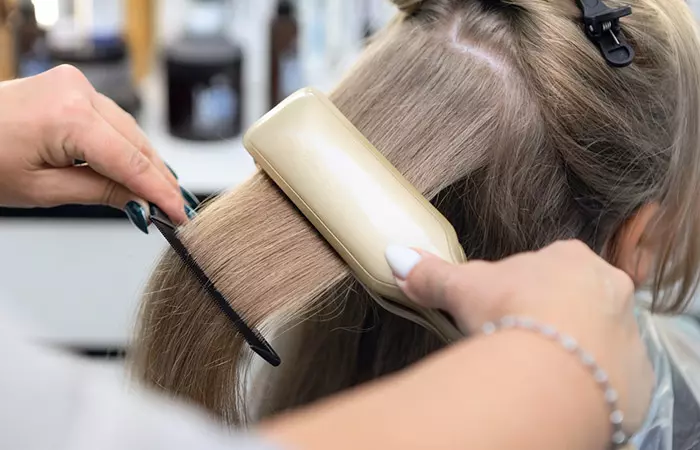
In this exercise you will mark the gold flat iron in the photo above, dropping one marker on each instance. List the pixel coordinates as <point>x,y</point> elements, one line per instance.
<point>353,196</point>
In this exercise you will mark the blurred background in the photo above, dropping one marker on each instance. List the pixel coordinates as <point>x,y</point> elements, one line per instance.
<point>195,74</point>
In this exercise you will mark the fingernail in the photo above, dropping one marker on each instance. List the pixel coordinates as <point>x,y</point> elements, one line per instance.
<point>171,171</point>
<point>402,260</point>
<point>189,197</point>
<point>191,213</point>
<point>137,215</point>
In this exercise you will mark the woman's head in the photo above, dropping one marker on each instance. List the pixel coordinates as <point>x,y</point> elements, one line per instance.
<point>507,117</point>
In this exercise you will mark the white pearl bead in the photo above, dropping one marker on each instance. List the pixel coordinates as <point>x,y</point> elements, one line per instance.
<point>569,343</point>
<point>526,323</point>
<point>617,417</point>
<point>488,328</point>
<point>600,376</point>
<point>508,322</point>
<point>611,395</point>
<point>619,438</point>
<point>548,331</point>
<point>587,359</point>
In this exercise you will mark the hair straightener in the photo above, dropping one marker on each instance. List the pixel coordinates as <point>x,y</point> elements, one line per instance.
<point>353,196</point>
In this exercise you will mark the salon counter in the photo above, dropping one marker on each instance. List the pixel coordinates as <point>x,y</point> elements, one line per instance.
<point>75,282</point>
<point>75,278</point>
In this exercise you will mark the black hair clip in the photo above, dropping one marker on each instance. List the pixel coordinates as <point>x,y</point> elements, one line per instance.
<point>252,336</point>
<point>603,27</point>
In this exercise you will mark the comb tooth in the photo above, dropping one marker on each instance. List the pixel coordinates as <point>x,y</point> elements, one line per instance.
<point>252,336</point>
<point>266,352</point>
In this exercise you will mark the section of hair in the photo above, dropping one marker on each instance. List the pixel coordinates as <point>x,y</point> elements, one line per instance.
<point>503,114</point>
<point>262,256</point>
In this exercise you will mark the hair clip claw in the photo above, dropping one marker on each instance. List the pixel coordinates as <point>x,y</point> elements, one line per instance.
<point>603,27</point>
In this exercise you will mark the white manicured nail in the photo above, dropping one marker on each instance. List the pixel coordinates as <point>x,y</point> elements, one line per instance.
<point>402,260</point>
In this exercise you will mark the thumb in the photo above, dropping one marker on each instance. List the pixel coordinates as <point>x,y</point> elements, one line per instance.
<point>423,277</point>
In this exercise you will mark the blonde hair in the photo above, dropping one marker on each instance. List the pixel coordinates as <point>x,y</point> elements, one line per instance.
<point>507,117</point>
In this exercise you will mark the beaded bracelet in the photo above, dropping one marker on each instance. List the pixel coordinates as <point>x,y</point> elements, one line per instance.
<point>619,437</point>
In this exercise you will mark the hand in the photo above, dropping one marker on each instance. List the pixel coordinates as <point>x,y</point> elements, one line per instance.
<point>565,285</point>
<point>49,121</point>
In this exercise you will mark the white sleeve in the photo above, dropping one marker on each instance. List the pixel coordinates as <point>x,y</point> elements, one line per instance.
<point>52,401</point>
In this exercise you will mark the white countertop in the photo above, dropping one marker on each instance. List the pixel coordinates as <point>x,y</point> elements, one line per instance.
<point>75,282</point>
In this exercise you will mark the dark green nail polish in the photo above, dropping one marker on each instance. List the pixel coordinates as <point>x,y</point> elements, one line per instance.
<point>137,216</point>
<point>191,213</point>
<point>171,171</point>
<point>189,197</point>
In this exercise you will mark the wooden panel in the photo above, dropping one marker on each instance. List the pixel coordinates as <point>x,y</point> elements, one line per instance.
<point>7,62</point>
<point>140,35</point>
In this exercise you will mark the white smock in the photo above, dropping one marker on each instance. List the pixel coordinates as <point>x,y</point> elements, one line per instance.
<point>49,400</point>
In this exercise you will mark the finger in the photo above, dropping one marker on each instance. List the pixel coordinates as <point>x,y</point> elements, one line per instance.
<point>424,278</point>
<point>84,186</point>
<point>80,186</point>
<point>125,124</point>
<point>112,155</point>
<point>189,196</point>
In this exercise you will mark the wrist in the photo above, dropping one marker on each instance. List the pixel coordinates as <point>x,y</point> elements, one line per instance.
<point>509,390</point>
<point>546,388</point>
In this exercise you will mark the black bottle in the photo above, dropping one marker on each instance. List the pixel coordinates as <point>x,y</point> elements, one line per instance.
<point>204,71</point>
<point>285,68</point>
<point>105,62</point>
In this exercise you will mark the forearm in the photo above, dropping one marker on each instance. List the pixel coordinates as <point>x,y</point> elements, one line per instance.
<point>510,390</point>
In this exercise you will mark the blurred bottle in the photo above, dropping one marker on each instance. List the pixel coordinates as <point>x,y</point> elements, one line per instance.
<point>285,66</point>
<point>92,39</point>
<point>346,26</point>
<point>314,42</point>
<point>368,27</point>
<point>331,39</point>
<point>204,70</point>
<point>31,52</point>
<point>7,51</point>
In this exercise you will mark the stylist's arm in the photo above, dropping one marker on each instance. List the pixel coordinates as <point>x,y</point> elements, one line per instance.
<point>49,121</point>
<point>512,389</point>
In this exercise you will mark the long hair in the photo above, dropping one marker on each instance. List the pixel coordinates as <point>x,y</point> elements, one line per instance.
<point>506,116</point>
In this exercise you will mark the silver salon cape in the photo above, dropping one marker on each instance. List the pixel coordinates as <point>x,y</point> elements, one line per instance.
<point>674,418</point>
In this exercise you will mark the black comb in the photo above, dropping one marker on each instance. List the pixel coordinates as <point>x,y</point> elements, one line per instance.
<point>252,336</point>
